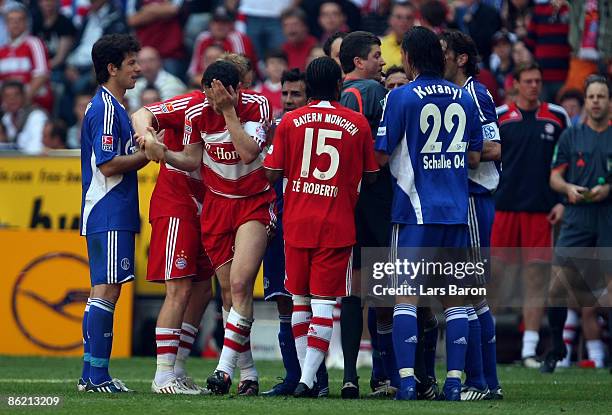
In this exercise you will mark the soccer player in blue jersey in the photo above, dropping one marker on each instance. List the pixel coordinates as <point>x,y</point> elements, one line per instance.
<point>430,133</point>
<point>461,68</point>
<point>109,209</point>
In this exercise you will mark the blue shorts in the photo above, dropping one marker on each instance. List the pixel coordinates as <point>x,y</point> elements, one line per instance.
<point>481,213</point>
<point>426,244</point>
<point>111,257</point>
<point>274,259</point>
<point>430,236</point>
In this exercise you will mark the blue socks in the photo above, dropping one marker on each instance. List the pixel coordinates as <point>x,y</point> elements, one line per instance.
<point>405,338</point>
<point>378,368</point>
<point>86,354</point>
<point>489,352</point>
<point>288,352</point>
<point>100,330</point>
<point>474,375</point>
<point>457,332</point>
<point>384,333</point>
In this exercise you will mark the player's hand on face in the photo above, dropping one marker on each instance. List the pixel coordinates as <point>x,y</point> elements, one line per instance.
<point>600,192</point>
<point>224,99</point>
<point>575,193</point>
<point>556,214</point>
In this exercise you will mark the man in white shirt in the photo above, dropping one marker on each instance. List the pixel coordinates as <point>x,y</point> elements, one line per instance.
<point>23,123</point>
<point>152,73</point>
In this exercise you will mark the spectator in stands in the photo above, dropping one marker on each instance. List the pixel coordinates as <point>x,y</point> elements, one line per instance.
<point>81,100</point>
<point>157,24</point>
<point>525,206</point>
<point>516,15</point>
<point>4,6</point>
<point>25,59</point>
<point>104,17</point>
<point>433,15</point>
<point>375,17</point>
<point>152,74</point>
<point>57,32</point>
<point>263,23</point>
<point>331,47</point>
<point>54,135</point>
<point>299,42</point>
<point>480,21</point>
<point>22,121</point>
<point>211,54</point>
<point>520,56</point>
<point>500,61</point>
<point>148,96</point>
<point>275,64</point>
<point>547,41</point>
<point>590,37</point>
<point>331,19</point>
<point>572,102</point>
<point>220,32</point>
<point>395,77</point>
<point>401,20</point>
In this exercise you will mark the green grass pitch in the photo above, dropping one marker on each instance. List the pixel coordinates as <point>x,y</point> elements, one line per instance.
<point>570,391</point>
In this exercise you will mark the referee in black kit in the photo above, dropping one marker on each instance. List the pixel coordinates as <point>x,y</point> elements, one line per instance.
<point>582,172</point>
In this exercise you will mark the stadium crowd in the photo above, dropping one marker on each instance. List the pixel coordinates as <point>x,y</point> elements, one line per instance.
<point>535,57</point>
<point>45,45</point>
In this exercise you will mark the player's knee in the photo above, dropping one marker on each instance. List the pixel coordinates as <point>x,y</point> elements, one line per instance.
<point>240,286</point>
<point>108,292</point>
<point>179,292</point>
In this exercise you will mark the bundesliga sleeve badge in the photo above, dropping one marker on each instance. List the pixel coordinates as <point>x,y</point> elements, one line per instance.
<point>107,143</point>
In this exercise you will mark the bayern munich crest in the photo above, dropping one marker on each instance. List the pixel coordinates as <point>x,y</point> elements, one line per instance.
<point>180,263</point>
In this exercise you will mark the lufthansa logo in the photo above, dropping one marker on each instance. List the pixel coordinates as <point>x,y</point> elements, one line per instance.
<point>50,314</point>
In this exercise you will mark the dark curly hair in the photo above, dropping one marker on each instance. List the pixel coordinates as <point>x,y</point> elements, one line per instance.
<point>111,49</point>
<point>461,43</point>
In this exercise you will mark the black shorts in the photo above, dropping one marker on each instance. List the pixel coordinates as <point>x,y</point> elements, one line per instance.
<point>585,235</point>
<point>373,216</point>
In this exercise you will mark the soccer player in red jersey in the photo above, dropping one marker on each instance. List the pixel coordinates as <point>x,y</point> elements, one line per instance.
<point>323,150</point>
<point>176,256</point>
<point>238,210</point>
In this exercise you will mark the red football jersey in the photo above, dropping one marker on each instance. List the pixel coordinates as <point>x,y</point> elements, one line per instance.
<point>223,171</point>
<point>177,193</point>
<point>323,150</point>
<point>23,59</point>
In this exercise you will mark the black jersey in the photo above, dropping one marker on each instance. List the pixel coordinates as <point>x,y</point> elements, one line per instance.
<point>586,156</point>
<point>528,140</point>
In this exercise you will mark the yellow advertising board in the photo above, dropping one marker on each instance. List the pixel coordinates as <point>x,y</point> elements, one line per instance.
<point>45,193</point>
<point>43,292</point>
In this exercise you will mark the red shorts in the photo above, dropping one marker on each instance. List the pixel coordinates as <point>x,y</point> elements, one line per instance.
<point>324,272</point>
<point>176,251</point>
<point>529,231</point>
<point>222,216</point>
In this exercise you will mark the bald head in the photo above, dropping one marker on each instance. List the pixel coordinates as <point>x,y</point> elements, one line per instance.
<point>150,63</point>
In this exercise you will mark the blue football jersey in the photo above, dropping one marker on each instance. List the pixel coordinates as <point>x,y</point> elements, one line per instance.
<point>485,178</point>
<point>427,128</point>
<point>108,203</point>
